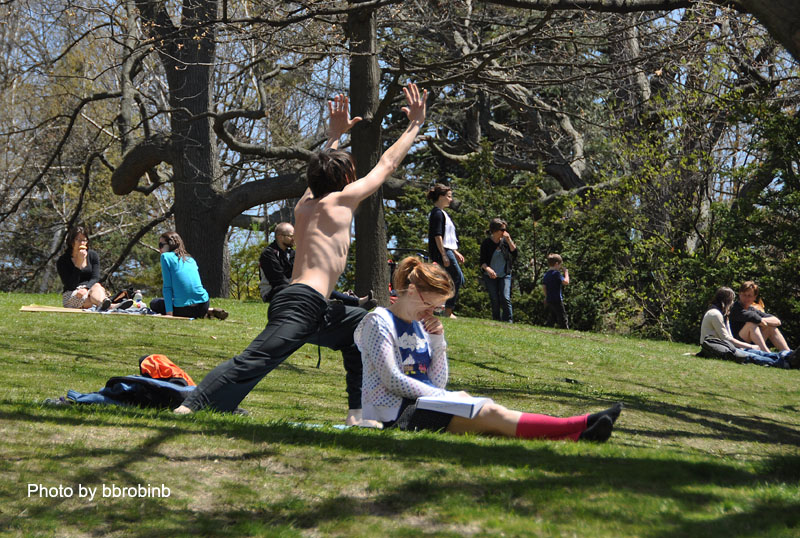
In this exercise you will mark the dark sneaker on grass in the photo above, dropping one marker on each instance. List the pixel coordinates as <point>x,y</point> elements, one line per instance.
<point>793,359</point>
<point>124,305</point>
<point>612,412</point>
<point>105,305</point>
<point>219,313</point>
<point>600,431</point>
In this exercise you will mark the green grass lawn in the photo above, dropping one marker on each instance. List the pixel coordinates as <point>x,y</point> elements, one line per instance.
<point>703,448</point>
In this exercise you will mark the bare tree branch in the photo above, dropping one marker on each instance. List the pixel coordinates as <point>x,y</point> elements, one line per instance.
<point>138,161</point>
<point>277,152</point>
<point>132,243</point>
<point>252,193</point>
<point>57,151</point>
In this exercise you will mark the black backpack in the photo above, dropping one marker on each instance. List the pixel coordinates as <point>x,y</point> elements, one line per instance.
<point>716,348</point>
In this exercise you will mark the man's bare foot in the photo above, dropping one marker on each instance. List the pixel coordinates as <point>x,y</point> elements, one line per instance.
<point>366,423</point>
<point>353,417</point>
<point>182,410</point>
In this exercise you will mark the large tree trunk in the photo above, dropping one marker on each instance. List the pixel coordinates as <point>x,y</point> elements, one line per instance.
<point>195,176</point>
<point>188,56</point>
<point>372,270</point>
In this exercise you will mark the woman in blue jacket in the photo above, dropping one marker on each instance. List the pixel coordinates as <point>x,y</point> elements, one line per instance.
<point>184,294</point>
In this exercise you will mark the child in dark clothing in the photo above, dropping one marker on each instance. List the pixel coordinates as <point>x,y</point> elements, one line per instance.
<point>552,283</point>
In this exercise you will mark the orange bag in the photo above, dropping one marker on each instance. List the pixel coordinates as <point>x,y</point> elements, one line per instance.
<point>160,367</point>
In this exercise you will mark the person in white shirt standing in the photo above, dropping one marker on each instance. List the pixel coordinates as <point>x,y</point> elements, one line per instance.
<point>443,241</point>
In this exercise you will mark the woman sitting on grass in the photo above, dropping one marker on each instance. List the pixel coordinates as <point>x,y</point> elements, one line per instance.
<point>79,269</point>
<point>403,352</point>
<point>184,294</point>
<point>716,326</point>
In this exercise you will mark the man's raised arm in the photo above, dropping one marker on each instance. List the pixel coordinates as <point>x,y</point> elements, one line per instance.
<point>392,157</point>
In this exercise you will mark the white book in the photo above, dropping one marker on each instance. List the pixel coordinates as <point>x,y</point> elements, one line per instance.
<point>462,406</point>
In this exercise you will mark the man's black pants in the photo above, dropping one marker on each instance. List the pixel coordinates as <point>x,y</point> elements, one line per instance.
<point>298,314</point>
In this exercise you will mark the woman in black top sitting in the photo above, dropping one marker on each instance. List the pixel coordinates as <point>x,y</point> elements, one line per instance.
<point>79,269</point>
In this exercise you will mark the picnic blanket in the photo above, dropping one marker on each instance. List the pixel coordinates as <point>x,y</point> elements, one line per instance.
<point>93,310</point>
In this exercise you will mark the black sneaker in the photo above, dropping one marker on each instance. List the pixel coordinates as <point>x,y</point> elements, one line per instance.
<point>124,305</point>
<point>105,305</point>
<point>793,359</point>
<point>219,313</point>
<point>600,430</point>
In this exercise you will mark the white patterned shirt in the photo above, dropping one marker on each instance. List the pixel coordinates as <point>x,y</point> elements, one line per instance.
<point>384,385</point>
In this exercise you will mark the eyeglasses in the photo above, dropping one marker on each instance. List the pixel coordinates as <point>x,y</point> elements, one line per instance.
<point>426,303</point>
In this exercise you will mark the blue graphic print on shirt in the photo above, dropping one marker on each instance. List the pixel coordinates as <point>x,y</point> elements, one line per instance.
<point>414,349</point>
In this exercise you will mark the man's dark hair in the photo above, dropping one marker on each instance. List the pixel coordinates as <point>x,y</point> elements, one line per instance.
<point>330,171</point>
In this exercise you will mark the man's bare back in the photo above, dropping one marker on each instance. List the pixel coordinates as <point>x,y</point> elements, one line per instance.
<point>322,225</point>
<point>322,233</point>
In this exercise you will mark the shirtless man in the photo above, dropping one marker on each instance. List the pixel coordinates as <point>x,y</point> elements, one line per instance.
<point>300,313</point>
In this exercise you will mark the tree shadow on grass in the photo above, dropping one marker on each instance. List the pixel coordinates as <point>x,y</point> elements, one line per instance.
<point>719,425</point>
<point>486,366</point>
<point>540,473</point>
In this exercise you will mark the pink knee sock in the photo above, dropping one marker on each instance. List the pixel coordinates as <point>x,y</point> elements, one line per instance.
<point>533,426</point>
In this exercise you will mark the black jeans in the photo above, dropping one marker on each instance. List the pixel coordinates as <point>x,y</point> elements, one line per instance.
<point>557,315</point>
<point>298,315</point>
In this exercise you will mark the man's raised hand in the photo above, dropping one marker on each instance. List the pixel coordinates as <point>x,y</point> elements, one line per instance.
<point>339,121</point>
<point>416,103</point>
